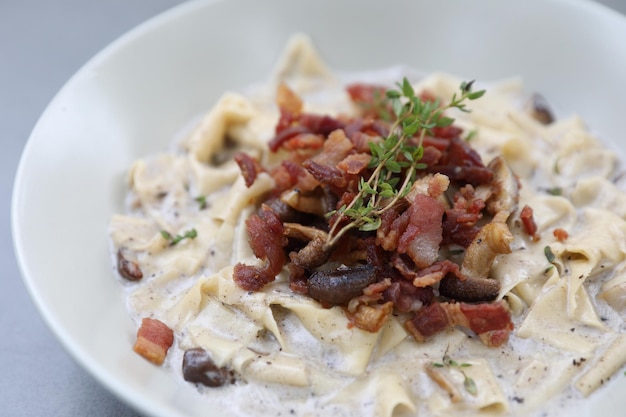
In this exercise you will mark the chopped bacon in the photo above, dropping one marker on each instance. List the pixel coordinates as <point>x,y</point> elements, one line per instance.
<point>424,233</point>
<point>265,232</point>
<point>427,276</point>
<point>528,221</point>
<point>560,234</point>
<point>393,223</point>
<point>249,167</point>
<point>370,318</point>
<point>459,224</point>
<point>462,163</point>
<point>492,319</point>
<point>436,272</point>
<point>309,141</point>
<point>154,339</point>
<point>355,163</point>
<point>289,175</point>
<point>300,124</point>
<point>448,132</point>
<point>406,297</point>
<point>287,99</point>
<point>324,166</point>
<point>297,279</point>
<point>369,98</point>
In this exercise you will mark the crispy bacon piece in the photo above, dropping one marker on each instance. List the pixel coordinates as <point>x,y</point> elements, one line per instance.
<point>291,125</point>
<point>462,163</point>
<point>436,272</point>
<point>423,235</point>
<point>459,223</point>
<point>249,167</point>
<point>154,339</point>
<point>370,318</point>
<point>560,234</point>
<point>324,166</point>
<point>370,99</point>
<point>265,233</point>
<point>287,99</point>
<point>528,221</point>
<point>406,297</point>
<point>492,320</point>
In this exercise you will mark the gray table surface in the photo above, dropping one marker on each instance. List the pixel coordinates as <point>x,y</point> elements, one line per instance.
<point>42,43</point>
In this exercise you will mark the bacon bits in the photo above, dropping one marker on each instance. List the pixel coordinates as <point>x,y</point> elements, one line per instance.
<point>265,232</point>
<point>154,339</point>
<point>560,234</point>
<point>491,322</point>
<point>528,221</point>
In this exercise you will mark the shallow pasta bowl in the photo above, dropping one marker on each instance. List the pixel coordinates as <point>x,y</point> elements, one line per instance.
<point>132,98</point>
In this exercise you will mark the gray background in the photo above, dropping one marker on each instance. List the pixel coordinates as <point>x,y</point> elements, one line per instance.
<point>42,43</point>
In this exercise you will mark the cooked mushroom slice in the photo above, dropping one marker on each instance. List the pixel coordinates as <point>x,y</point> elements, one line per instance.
<point>505,190</point>
<point>339,286</point>
<point>316,252</point>
<point>301,232</point>
<point>198,367</point>
<point>471,290</point>
<point>493,239</point>
<point>312,203</point>
<point>128,269</point>
<point>286,213</point>
<point>540,109</point>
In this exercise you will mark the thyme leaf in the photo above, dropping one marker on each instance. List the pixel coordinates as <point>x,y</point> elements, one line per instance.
<point>549,254</point>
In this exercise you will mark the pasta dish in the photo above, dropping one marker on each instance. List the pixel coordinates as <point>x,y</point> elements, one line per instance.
<point>378,244</point>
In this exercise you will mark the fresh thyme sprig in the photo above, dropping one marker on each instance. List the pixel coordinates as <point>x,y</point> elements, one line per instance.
<point>396,159</point>
<point>468,383</point>
<point>189,234</point>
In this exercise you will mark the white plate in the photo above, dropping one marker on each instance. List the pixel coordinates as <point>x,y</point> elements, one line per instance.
<point>131,98</point>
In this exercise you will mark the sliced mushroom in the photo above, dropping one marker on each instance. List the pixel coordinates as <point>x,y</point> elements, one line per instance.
<point>198,367</point>
<point>339,286</point>
<point>505,189</point>
<point>540,109</point>
<point>315,253</point>
<point>471,290</point>
<point>492,239</point>
<point>127,268</point>
<point>306,203</point>
<point>301,232</point>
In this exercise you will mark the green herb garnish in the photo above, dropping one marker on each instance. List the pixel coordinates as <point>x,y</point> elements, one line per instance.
<point>468,383</point>
<point>201,201</point>
<point>396,159</point>
<point>190,234</point>
<point>549,254</point>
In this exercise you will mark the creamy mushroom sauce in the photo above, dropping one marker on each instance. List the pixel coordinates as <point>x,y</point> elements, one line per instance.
<point>293,357</point>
